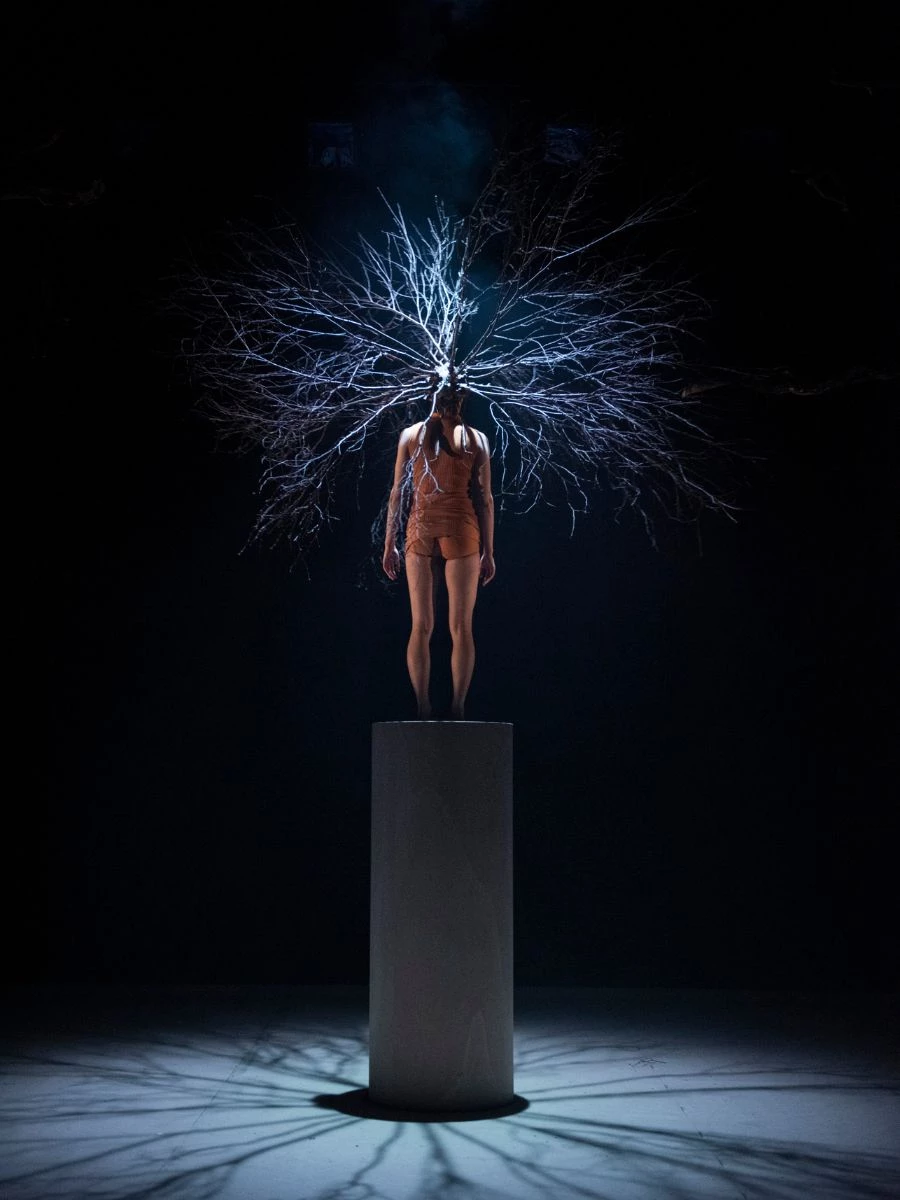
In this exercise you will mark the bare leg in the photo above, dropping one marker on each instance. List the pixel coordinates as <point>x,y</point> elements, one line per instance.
<point>462,588</point>
<point>418,652</point>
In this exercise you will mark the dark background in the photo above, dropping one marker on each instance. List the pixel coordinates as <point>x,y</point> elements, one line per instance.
<point>705,734</point>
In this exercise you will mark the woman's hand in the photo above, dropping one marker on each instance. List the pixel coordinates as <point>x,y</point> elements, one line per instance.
<point>391,562</point>
<point>488,570</point>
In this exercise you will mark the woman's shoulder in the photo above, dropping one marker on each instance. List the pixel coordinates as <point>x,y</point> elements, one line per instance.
<point>479,438</point>
<point>411,432</point>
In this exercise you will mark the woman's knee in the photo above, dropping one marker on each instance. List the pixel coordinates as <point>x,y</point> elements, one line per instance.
<point>422,629</point>
<point>461,629</point>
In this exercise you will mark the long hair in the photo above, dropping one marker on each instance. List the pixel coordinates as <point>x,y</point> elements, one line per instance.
<point>447,403</point>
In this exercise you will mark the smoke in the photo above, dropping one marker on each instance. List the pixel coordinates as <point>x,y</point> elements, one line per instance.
<point>423,133</point>
<point>424,140</point>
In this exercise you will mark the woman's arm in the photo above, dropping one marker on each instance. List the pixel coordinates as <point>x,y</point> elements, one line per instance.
<point>390,561</point>
<point>484,507</point>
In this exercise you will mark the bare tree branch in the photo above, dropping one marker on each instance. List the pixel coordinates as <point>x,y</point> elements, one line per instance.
<point>570,350</point>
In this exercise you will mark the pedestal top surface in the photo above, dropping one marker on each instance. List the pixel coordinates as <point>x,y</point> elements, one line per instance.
<point>506,724</point>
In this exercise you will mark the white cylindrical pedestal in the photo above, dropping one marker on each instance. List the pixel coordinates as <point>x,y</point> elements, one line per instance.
<point>441,966</point>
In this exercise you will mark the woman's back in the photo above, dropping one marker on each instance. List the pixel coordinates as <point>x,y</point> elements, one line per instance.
<point>443,469</point>
<point>440,463</point>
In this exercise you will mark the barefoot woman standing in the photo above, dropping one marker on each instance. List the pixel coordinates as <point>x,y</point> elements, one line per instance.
<point>451,518</point>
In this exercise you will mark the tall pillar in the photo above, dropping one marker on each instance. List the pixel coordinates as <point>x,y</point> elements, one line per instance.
<point>441,946</point>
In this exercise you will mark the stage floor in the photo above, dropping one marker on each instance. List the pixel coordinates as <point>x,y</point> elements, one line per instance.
<point>236,1093</point>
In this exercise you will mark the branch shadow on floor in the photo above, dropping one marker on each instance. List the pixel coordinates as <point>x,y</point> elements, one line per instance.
<point>200,1116</point>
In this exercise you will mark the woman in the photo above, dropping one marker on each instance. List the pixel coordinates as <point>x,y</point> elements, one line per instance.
<point>451,519</point>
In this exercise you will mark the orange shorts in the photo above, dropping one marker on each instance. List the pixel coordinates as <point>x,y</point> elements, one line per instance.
<point>457,546</point>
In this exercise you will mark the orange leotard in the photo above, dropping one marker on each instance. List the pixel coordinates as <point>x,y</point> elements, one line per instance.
<point>442,518</point>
